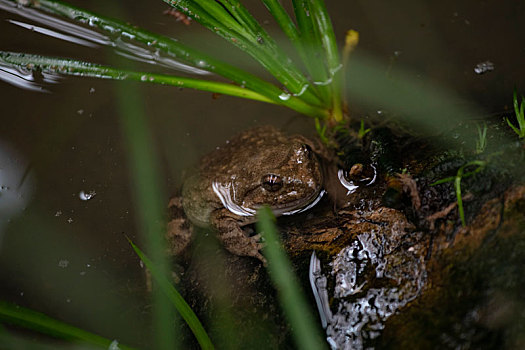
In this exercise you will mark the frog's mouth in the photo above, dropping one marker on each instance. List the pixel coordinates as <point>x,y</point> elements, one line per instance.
<point>298,206</point>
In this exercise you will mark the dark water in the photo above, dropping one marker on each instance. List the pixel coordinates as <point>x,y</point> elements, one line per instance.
<point>69,140</point>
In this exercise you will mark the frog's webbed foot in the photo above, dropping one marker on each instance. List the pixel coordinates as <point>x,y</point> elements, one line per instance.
<point>237,242</point>
<point>179,230</point>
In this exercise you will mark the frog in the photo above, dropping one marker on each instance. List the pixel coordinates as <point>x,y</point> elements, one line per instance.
<point>260,166</point>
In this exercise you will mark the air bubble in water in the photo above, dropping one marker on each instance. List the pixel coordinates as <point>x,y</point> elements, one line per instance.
<point>85,196</point>
<point>484,67</point>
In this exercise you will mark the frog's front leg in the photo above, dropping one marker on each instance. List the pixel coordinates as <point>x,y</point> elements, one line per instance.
<point>179,231</point>
<point>234,238</point>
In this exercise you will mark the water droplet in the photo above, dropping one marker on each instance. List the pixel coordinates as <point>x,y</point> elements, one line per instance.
<point>80,112</point>
<point>113,345</point>
<point>63,263</point>
<point>92,90</point>
<point>303,89</point>
<point>284,96</point>
<point>85,196</point>
<point>323,83</point>
<point>484,67</point>
<point>128,35</point>
<point>70,220</point>
<point>58,213</point>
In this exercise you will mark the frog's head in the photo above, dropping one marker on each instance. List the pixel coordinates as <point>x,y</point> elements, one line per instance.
<point>285,176</point>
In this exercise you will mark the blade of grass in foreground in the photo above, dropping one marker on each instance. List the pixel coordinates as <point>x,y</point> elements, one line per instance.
<point>148,199</point>
<point>37,321</point>
<point>177,300</point>
<point>297,310</point>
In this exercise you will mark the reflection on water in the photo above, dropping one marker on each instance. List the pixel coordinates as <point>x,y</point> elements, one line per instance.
<point>53,33</point>
<point>418,38</point>
<point>87,195</point>
<point>75,33</point>
<point>16,185</point>
<point>350,183</point>
<point>20,77</point>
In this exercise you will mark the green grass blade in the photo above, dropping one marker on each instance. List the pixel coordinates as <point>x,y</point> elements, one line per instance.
<point>17,315</point>
<point>442,181</point>
<point>519,111</point>
<point>461,174</point>
<point>297,310</point>
<point>250,23</point>
<point>515,103</point>
<point>282,18</point>
<point>187,55</point>
<point>312,49</point>
<point>521,117</point>
<point>86,69</point>
<point>146,183</point>
<point>457,187</point>
<point>177,300</point>
<point>516,130</point>
<point>329,43</point>
<point>306,52</point>
<point>268,55</point>
<point>169,46</point>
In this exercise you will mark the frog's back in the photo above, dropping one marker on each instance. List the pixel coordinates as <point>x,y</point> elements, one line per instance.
<point>239,153</point>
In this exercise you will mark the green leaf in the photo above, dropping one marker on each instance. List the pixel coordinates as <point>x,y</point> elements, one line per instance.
<point>270,56</point>
<point>176,299</point>
<point>87,69</point>
<point>172,48</point>
<point>519,111</point>
<point>145,175</point>
<point>516,130</point>
<point>442,181</point>
<point>40,322</point>
<point>327,37</point>
<point>312,49</point>
<point>459,198</point>
<point>305,332</point>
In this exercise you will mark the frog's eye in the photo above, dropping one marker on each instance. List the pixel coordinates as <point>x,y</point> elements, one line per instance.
<point>272,182</point>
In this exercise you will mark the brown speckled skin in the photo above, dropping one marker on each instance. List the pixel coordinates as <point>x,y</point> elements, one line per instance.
<point>241,164</point>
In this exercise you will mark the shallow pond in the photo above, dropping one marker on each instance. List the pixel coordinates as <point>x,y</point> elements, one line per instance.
<point>67,230</point>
